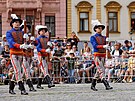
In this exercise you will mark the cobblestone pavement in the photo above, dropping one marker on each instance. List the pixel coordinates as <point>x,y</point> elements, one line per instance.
<point>73,92</point>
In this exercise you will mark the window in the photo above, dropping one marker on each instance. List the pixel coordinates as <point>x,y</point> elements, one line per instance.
<point>50,23</point>
<point>84,21</point>
<point>113,21</point>
<point>29,19</point>
<point>132,21</point>
<point>0,26</point>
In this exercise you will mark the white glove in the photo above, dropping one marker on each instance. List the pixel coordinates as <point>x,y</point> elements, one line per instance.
<point>49,43</point>
<point>32,38</point>
<point>106,46</point>
<point>31,46</point>
<point>23,46</point>
<point>107,39</point>
<point>48,50</point>
<point>25,36</point>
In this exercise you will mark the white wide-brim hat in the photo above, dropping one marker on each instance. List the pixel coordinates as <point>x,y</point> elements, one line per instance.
<point>38,27</point>
<point>97,24</point>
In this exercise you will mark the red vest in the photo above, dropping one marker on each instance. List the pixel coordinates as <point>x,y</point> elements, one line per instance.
<point>101,41</point>
<point>18,37</point>
<point>44,45</point>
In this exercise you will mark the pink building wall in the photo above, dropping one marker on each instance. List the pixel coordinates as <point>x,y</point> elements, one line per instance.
<point>40,7</point>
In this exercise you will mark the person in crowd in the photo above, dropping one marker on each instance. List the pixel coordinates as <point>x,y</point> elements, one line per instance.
<point>124,66</point>
<point>125,47</point>
<point>130,47</point>
<point>88,63</point>
<point>68,49</point>
<point>85,45</point>
<point>71,66</point>
<point>1,48</point>
<point>64,43</point>
<point>117,52</point>
<point>4,41</point>
<point>74,39</point>
<point>5,53</point>
<point>131,67</point>
<point>56,62</point>
<point>74,49</point>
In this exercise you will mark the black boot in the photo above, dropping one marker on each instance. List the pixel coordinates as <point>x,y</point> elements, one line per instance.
<point>11,87</point>
<point>30,85</point>
<point>48,79</point>
<point>39,83</point>
<point>21,86</point>
<point>105,82</point>
<point>93,85</point>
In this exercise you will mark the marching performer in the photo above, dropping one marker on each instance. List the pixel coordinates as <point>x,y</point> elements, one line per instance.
<point>43,48</point>
<point>27,56</point>
<point>15,40</point>
<point>98,42</point>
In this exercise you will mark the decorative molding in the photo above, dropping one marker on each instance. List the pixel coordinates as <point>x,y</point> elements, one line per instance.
<point>131,6</point>
<point>112,5</point>
<point>83,6</point>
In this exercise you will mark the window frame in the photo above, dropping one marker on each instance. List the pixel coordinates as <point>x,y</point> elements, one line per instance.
<point>112,31</point>
<point>131,21</point>
<point>54,35</point>
<point>80,22</point>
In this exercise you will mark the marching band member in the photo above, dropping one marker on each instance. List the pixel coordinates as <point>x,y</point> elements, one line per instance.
<point>27,56</point>
<point>98,42</point>
<point>16,45</point>
<point>43,48</point>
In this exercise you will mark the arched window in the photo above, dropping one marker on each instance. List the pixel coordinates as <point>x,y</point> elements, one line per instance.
<point>131,7</point>
<point>84,16</point>
<point>113,16</point>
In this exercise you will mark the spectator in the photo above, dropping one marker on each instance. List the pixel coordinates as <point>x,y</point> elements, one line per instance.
<point>125,47</point>
<point>131,67</point>
<point>117,52</point>
<point>68,49</point>
<point>56,62</point>
<point>124,65</point>
<point>71,66</point>
<point>74,39</point>
<point>4,41</point>
<point>88,63</point>
<point>74,49</point>
<point>5,52</point>
<point>64,43</point>
<point>1,48</point>
<point>130,45</point>
<point>55,44</point>
<point>85,45</point>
